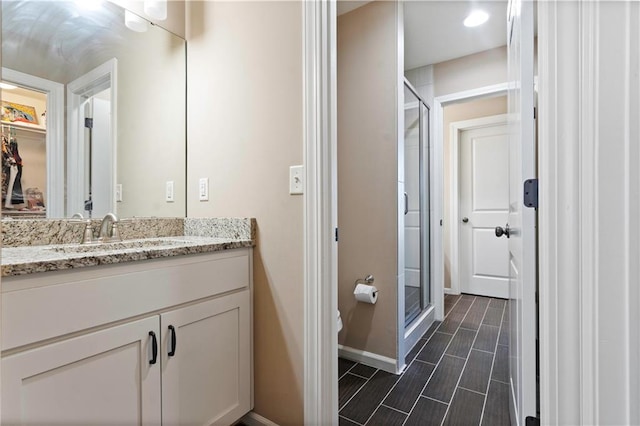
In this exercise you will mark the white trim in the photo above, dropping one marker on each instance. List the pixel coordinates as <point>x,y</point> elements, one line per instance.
<point>97,79</point>
<point>320,214</point>
<point>449,291</point>
<point>254,419</point>
<point>417,328</point>
<point>454,201</point>
<point>437,198</point>
<point>369,358</point>
<point>54,135</point>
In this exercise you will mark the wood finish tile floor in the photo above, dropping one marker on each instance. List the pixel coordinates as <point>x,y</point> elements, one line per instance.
<point>457,374</point>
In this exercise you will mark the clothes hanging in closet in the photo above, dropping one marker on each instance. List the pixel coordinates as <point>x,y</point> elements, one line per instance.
<point>11,173</point>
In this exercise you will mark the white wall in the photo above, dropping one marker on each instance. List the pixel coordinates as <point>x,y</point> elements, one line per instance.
<point>245,130</point>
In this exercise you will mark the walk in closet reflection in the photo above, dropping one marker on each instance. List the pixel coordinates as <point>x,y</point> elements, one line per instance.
<point>24,160</point>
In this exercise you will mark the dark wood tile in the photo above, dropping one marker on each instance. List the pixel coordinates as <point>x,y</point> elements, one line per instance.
<point>431,330</point>
<point>452,322</point>
<point>365,402</point>
<point>497,303</point>
<point>434,348</point>
<point>504,334</point>
<point>493,317</point>
<point>444,379</point>
<point>481,302</point>
<point>474,318</point>
<point>414,351</point>
<point>463,304</point>
<point>486,340</point>
<point>465,409</point>
<point>348,385</point>
<point>363,370</point>
<point>496,410</point>
<point>408,388</point>
<point>501,364</point>
<point>461,343</point>
<point>386,416</point>
<point>344,365</point>
<point>476,373</point>
<point>450,302</point>
<point>345,422</point>
<point>427,412</point>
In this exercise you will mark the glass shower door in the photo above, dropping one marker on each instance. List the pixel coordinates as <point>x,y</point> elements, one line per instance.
<point>416,208</point>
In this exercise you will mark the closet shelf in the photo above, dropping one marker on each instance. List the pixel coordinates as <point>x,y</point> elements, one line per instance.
<point>23,126</point>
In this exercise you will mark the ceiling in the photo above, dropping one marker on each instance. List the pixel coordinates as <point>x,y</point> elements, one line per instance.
<point>433,30</point>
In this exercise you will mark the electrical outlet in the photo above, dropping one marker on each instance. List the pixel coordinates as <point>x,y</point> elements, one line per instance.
<point>203,189</point>
<point>169,192</point>
<point>119,192</point>
<point>296,180</point>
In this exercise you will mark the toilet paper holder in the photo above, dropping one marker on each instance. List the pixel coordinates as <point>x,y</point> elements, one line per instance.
<point>367,280</point>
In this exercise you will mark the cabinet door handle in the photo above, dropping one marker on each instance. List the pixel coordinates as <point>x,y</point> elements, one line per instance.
<point>154,348</point>
<point>174,341</point>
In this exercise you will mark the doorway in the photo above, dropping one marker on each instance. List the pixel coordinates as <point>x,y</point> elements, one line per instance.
<point>479,182</point>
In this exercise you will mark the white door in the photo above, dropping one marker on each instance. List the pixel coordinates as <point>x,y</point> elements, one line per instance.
<point>206,362</point>
<point>522,220</point>
<point>99,378</point>
<point>102,169</point>
<point>483,148</point>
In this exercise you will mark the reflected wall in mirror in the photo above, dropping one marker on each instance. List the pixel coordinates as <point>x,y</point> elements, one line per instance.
<point>97,119</point>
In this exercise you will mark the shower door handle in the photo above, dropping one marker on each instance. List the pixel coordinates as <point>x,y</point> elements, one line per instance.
<point>406,203</point>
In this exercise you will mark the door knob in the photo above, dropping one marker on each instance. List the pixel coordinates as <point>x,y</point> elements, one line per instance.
<point>465,219</point>
<point>502,231</point>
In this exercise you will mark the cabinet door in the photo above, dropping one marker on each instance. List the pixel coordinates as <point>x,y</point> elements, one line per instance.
<point>103,377</point>
<point>208,378</point>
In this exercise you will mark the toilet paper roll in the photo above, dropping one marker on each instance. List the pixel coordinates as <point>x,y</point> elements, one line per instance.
<point>366,293</point>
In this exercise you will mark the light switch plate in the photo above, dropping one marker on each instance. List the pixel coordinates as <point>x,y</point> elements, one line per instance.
<point>119,192</point>
<point>169,192</point>
<point>203,189</point>
<point>296,180</point>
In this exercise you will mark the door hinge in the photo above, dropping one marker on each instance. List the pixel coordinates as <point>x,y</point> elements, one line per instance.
<point>531,193</point>
<point>88,123</point>
<point>532,421</point>
<point>336,234</point>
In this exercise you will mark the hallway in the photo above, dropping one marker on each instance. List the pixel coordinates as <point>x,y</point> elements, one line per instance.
<point>457,374</point>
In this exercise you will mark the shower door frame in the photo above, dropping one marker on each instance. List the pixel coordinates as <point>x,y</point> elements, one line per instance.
<point>418,325</point>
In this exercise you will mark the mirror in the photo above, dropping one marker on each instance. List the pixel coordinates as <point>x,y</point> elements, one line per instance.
<point>94,112</point>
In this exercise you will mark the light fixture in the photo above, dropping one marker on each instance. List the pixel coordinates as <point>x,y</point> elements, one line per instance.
<point>7,86</point>
<point>157,9</point>
<point>475,18</point>
<point>134,22</point>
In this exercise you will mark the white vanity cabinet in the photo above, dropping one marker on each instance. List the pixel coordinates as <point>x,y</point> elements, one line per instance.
<point>189,314</point>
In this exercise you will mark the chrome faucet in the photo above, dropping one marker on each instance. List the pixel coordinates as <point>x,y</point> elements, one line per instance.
<point>109,234</point>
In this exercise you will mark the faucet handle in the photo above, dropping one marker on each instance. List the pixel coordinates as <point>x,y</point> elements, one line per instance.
<point>115,232</point>
<point>87,235</point>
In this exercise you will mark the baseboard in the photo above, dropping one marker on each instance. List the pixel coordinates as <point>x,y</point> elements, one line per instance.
<point>450,291</point>
<point>254,419</point>
<point>368,358</point>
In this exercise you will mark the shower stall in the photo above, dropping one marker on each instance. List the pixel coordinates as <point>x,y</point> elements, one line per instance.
<point>417,290</point>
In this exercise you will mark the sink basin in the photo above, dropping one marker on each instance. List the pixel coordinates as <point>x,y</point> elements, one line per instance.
<point>121,245</point>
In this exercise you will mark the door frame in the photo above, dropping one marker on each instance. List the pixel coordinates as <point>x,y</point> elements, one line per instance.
<point>54,136</point>
<point>454,181</point>
<point>94,81</point>
<point>439,103</point>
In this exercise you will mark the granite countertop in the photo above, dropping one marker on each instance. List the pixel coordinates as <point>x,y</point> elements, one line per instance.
<point>31,246</point>
<point>31,259</point>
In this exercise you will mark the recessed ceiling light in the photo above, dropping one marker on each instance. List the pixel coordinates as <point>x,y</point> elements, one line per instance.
<point>7,86</point>
<point>475,18</point>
